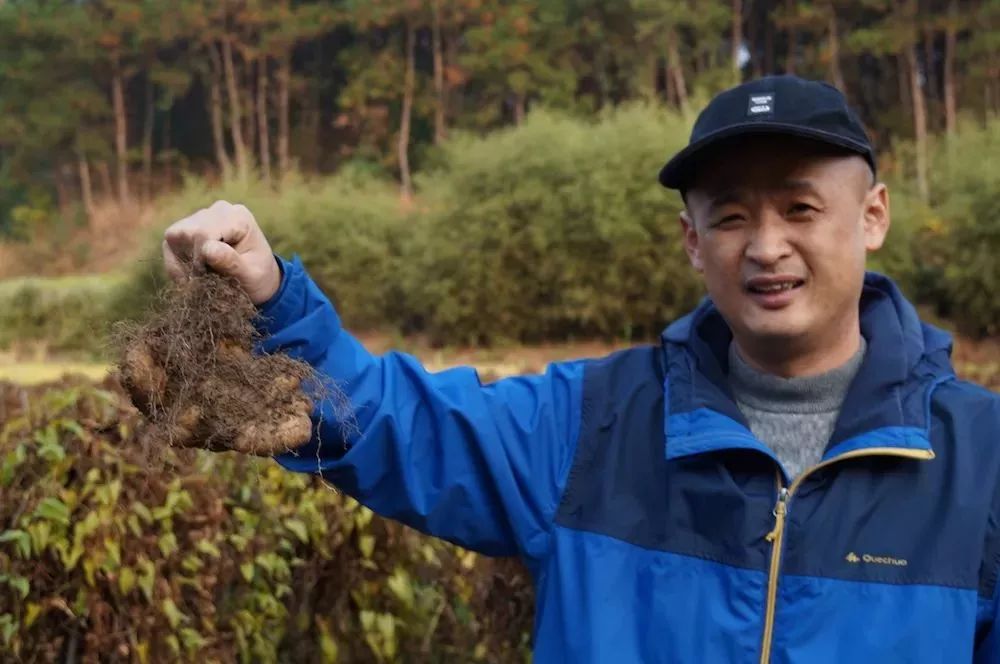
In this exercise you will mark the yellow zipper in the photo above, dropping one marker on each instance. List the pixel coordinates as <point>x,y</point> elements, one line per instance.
<point>776,536</point>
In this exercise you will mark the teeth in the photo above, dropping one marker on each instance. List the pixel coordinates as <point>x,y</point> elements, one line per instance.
<point>775,288</point>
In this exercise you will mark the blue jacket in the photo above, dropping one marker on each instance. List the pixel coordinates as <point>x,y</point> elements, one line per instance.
<point>655,526</point>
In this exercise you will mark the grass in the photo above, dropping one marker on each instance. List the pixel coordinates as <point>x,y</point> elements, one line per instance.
<point>975,361</point>
<point>34,366</point>
<point>33,373</point>
<point>58,284</point>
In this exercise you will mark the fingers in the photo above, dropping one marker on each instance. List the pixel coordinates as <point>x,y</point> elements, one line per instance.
<point>176,270</point>
<point>204,238</point>
<point>238,224</point>
<point>220,256</point>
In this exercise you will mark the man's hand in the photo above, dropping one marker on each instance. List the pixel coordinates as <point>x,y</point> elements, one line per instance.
<point>227,239</point>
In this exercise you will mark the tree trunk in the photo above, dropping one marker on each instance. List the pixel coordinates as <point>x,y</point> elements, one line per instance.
<point>250,104</point>
<point>649,81</point>
<point>168,163</point>
<point>62,193</point>
<point>950,42</point>
<point>104,172</point>
<point>836,75</point>
<point>147,141</point>
<point>235,109</point>
<point>752,37</point>
<point>903,78</point>
<point>600,77</point>
<point>675,71</point>
<point>930,70</point>
<point>669,91</point>
<point>793,37</point>
<point>769,47</point>
<point>284,82</point>
<point>86,186</point>
<point>456,95</point>
<point>264,138</point>
<point>919,120</point>
<point>737,38</point>
<point>519,109</point>
<point>121,127</point>
<point>440,96</point>
<point>406,184</point>
<point>215,113</point>
<point>654,76</point>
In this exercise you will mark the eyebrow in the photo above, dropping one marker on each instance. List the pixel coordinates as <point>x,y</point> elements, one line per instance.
<point>727,196</point>
<point>802,186</point>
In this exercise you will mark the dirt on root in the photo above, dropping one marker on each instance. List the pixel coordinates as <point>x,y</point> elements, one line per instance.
<point>193,371</point>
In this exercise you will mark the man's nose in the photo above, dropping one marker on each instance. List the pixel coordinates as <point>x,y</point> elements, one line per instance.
<point>768,242</point>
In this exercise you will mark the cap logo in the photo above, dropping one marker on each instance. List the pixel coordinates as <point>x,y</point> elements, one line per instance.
<point>761,104</point>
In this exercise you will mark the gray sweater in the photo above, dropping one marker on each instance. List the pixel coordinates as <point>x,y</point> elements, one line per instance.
<point>794,416</point>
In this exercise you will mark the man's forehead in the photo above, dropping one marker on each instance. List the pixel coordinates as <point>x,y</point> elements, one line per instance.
<point>725,191</point>
<point>761,164</point>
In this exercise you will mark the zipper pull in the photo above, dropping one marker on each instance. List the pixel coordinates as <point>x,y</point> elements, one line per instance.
<point>779,511</point>
<point>782,507</point>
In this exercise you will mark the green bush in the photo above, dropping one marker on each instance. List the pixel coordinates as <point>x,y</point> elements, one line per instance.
<point>113,552</point>
<point>895,258</point>
<point>353,235</point>
<point>549,231</point>
<point>553,230</point>
<point>64,315</point>
<point>348,229</point>
<point>958,246</point>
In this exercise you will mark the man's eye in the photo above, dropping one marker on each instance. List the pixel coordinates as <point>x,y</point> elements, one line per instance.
<point>801,208</point>
<point>729,220</point>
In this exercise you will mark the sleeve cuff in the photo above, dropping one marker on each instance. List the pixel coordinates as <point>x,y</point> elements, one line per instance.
<point>287,303</point>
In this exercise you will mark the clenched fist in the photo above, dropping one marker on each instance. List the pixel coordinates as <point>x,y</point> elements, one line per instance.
<point>227,239</point>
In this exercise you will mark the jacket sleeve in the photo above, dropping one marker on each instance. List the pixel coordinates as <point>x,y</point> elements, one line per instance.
<point>987,649</point>
<point>479,465</point>
<point>988,634</point>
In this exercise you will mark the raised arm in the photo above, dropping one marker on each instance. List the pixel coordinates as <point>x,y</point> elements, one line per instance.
<point>480,465</point>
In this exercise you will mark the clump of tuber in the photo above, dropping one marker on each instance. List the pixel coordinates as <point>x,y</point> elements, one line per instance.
<point>191,370</point>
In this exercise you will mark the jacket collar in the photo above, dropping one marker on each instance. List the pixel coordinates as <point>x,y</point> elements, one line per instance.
<point>887,405</point>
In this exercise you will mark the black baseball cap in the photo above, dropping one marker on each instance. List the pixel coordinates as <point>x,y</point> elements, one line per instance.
<point>786,105</point>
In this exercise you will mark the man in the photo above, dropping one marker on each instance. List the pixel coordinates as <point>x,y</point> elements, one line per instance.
<point>794,474</point>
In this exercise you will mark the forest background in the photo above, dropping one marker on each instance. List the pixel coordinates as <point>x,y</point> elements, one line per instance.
<point>470,180</point>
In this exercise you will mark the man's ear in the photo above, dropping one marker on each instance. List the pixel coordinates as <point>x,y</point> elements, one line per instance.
<point>690,240</point>
<point>876,216</point>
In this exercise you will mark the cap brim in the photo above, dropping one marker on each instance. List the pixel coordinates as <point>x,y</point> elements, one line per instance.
<point>676,173</point>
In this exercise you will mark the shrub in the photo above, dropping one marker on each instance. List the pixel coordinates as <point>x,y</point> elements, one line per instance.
<point>549,231</point>
<point>108,557</point>
<point>958,246</point>
<point>67,314</point>
<point>554,229</point>
<point>896,258</point>
<point>348,229</point>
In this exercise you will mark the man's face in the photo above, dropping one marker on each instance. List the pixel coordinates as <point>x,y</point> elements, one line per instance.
<point>780,229</point>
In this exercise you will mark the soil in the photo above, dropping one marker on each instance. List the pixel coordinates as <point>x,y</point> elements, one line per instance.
<point>193,371</point>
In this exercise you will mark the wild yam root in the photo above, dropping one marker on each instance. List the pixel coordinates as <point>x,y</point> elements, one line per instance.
<point>191,371</point>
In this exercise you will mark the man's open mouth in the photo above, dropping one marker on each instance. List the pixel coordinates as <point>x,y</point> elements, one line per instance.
<point>769,286</point>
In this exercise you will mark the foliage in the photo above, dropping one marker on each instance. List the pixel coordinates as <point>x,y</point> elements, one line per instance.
<point>108,556</point>
<point>349,230</point>
<point>67,315</point>
<point>87,89</point>
<point>896,258</point>
<point>958,246</point>
<point>553,230</point>
<point>549,231</point>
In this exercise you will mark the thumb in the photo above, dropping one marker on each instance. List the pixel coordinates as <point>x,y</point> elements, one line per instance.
<point>221,257</point>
